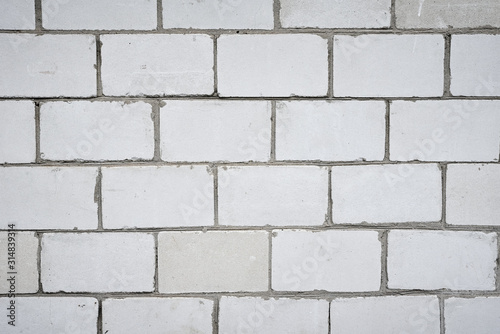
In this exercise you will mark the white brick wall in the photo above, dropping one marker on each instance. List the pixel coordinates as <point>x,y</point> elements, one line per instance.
<point>271,65</point>
<point>264,166</point>
<point>388,65</point>
<point>96,131</point>
<point>431,260</point>
<point>206,130</point>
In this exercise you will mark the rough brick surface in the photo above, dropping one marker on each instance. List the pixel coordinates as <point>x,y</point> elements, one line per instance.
<point>472,315</point>
<point>17,14</point>
<point>388,65</point>
<point>216,130</point>
<point>17,131</point>
<point>267,65</point>
<point>307,260</point>
<point>178,315</point>
<point>430,260</point>
<point>96,131</point>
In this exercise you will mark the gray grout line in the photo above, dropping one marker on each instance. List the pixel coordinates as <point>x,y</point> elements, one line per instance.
<point>99,316</point>
<point>441,315</point>
<point>498,263</point>
<point>215,316</point>
<point>383,237</point>
<point>329,317</point>
<point>98,198</point>
<point>444,170</point>
<point>387,151</point>
<point>393,14</point>
<point>38,16</point>
<point>156,282</point>
<point>159,15</point>
<point>276,14</point>
<point>215,67</point>
<point>215,172</point>
<point>273,132</point>
<point>38,157</point>
<point>329,220</point>
<point>98,45</point>
<point>39,262</point>
<point>156,115</point>
<point>447,69</point>
<point>330,93</point>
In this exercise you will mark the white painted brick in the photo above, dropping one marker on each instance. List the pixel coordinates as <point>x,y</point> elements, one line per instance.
<point>258,315</point>
<point>213,14</point>
<point>52,315</point>
<point>83,130</point>
<point>157,196</point>
<point>430,260</point>
<point>453,130</point>
<point>391,315</point>
<point>98,262</point>
<point>475,70</point>
<point>444,14</point>
<point>344,261</point>
<point>17,14</point>
<point>272,65</point>
<point>325,130</point>
<point>24,245</point>
<point>388,65</point>
<point>276,196</point>
<point>335,14</point>
<point>480,315</point>
<point>217,261</point>
<point>212,130</point>
<point>386,193</point>
<point>17,131</point>
<point>472,194</point>
<point>99,14</point>
<point>157,65</point>
<point>48,197</point>
<point>156,315</point>
<point>37,65</point>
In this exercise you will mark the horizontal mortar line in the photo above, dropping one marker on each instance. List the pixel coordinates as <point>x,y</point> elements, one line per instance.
<point>152,98</point>
<point>316,294</point>
<point>222,164</point>
<point>417,226</point>
<point>236,31</point>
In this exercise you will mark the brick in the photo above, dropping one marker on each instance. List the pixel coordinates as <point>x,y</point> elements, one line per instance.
<point>453,130</point>
<point>231,14</point>
<point>212,130</point>
<point>472,195</point>
<point>480,315</point>
<point>155,315</point>
<point>257,196</point>
<point>17,132</point>
<point>332,131</point>
<point>37,66</point>
<point>258,315</point>
<point>48,197</point>
<point>445,14</point>
<point>17,15</point>
<point>415,314</point>
<point>52,315</point>
<point>157,65</point>
<point>175,196</point>
<point>24,245</point>
<point>474,66</point>
<point>217,261</point>
<point>386,193</point>
<point>345,261</point>
<point>429,260</point>
<point>98,262</point>
<point>335,14</point>
<point>272,65</point>
<point>83,130</point>
<point>388,65</point>
<point>99,14</point>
